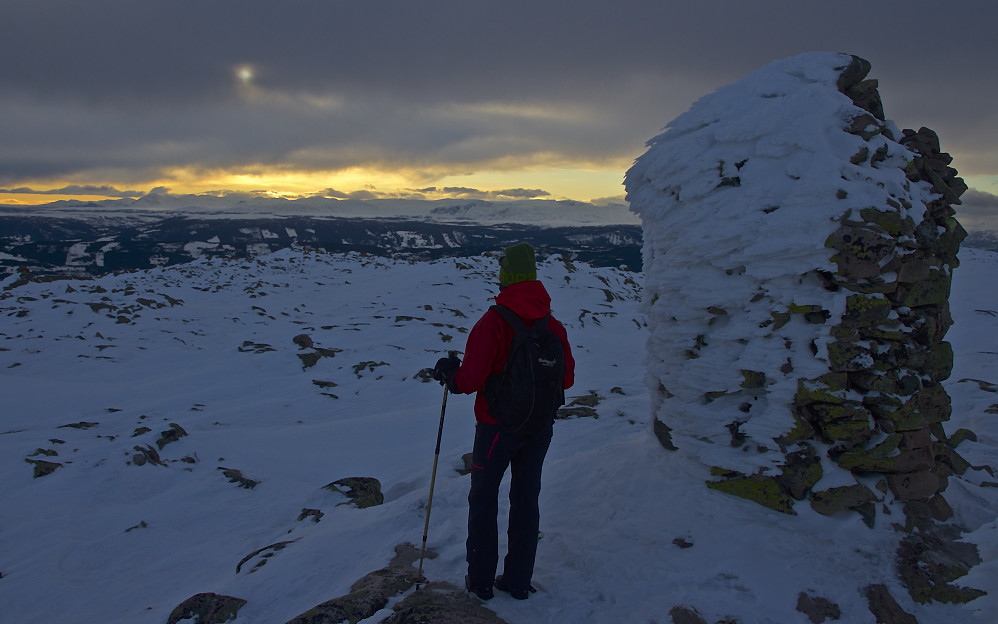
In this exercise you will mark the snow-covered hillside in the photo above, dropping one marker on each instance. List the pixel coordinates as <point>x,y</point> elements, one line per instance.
<point>94,372</point>
<point>537,212</point>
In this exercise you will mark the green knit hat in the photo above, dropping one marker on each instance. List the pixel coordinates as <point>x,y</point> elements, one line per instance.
<point>518,264</point>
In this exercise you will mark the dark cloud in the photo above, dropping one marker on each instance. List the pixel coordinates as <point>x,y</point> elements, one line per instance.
<point>979,211</point>
<point>76,189</point>
<point>460,190</point>
<point>473,193</point>
<point>520,193</point>
<point>108,49</point>
<point>980,201</point>
<point>131,90</point>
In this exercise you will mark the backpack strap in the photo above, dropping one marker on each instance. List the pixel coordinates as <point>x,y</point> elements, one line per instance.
<point>514,321</point>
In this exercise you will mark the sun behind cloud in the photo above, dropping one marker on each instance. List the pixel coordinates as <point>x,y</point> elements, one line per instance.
<point>245,73</point>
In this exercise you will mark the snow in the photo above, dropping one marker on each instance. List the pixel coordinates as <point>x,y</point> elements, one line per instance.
<point>102,539</point>
<point>10,258</point>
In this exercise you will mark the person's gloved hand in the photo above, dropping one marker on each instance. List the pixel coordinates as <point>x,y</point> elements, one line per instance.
<point>445,370</point>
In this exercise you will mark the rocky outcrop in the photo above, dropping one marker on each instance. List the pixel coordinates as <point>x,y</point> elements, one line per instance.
<point>368,595</point>
<point>931,560</point>
<point>361,492</point>
<point>441,603</point>
<point>433,602</point>
<point>43,468</point>
<point>817,609</point>
<point>207,608</point>
<point>885,608</point>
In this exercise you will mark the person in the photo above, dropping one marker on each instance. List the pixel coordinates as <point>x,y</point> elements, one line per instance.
<point>497,449</point>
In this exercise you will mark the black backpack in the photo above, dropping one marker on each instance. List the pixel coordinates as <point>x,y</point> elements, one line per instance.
<point>525,397</point>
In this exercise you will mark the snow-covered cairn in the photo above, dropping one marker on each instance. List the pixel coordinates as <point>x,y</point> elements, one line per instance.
<point>798,252</point>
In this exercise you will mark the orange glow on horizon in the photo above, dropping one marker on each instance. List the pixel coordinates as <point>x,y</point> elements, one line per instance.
<point>579,184</point>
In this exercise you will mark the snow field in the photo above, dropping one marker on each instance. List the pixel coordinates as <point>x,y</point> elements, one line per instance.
<point>103,539</point>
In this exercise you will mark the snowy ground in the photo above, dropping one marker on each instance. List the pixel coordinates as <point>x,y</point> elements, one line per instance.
<point>209,347</point>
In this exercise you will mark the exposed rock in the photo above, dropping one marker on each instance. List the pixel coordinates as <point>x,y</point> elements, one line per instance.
<point>930,560</point>
<point>857,497</point>
<point>372,592</point>
<point>304,341</point>
<point>236,476</point>
<point>325,385</point>
<point>817,609</point>
<point>801,472</point>
<point>264,553</point>
<point>43,468</point>
<point>961,435</point>
<point>249,346</point>
<point>174,433</point>
<point>441,603</point>
<point>762,489</point>
<point>207,608</point>
<point>314,514</point>
<point>921,485</point>
<point>83,424</point>
<point>146,455</point>
<point>753,379</point>
<point>362,491</point>
<point>683,614</point>
<point>663,432</point>
<point>589,400</point>
<point>360,367</point>
<point>885,608</point>
<point>566,413</point>
<point>310,359</point>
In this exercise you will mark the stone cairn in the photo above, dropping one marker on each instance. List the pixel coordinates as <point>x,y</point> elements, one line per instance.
<point>878,410</point>
<point>888,355</point>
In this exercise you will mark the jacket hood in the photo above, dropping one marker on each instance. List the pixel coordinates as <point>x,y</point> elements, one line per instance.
<point>530,300</point>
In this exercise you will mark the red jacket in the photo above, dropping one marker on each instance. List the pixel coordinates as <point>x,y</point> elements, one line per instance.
<point>488,343</point>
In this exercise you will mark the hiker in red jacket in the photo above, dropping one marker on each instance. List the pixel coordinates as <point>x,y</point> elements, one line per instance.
<point>497,448</point>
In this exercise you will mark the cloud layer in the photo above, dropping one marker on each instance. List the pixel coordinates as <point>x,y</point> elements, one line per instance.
<point>136,93</point>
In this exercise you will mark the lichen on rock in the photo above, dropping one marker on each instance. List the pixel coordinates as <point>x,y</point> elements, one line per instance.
<point>361,492</point>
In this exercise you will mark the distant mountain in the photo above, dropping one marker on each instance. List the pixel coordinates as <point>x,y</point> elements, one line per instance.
<point>89,245</point>
<point>987,240</point>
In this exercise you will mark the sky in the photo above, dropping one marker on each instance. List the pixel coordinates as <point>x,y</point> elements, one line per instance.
<point>442,98</point>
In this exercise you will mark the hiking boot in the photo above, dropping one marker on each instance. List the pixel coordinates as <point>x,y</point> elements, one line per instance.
<point>519,594</point>
<point>483,593</point>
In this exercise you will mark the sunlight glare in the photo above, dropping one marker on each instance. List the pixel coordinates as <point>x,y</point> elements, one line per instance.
<point>245,74</point>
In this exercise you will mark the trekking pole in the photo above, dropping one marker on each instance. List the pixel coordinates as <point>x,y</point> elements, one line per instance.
<point>433,478</point>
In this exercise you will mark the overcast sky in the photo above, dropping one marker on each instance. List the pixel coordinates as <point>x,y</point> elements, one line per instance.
<point>528,98</point>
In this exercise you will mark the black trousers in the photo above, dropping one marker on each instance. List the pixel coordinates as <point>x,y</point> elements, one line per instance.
<point>495,450</point>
